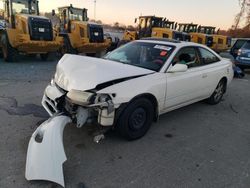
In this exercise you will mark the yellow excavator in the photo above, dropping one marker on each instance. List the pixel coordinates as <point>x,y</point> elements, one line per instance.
<point>80,35</point>
<point>220,42</point>
<point>196,36</point>
<point>26,32</point>
<point>153,26</point>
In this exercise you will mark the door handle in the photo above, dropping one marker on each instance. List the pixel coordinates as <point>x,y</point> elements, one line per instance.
<point>204,76</point>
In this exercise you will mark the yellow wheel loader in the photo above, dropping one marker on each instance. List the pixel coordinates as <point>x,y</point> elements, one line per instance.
<point>81,36</point>
<point>196,36</point>
<point>220,42</point>
<point>152,26</point>
<point>26,32</point>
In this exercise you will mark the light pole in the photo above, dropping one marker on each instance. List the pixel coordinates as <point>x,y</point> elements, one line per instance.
<point>95,10</point>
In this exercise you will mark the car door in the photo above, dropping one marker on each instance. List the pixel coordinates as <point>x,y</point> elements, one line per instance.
<point>185,87</point>
<point>212,69</point>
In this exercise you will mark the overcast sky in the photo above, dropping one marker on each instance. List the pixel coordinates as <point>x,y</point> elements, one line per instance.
<point>219,13</point>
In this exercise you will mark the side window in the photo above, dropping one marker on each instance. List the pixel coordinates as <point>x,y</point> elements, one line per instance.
<point>208,57</point>
<point>220,41</point>
<point>165,35</point>
<point>187,56</point>
<point>81,32</point>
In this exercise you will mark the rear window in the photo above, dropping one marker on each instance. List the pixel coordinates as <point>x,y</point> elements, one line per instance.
<point>246,45</point>
<point>239,43</point>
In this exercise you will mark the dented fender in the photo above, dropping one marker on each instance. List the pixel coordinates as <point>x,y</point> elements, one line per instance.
<point>46,155</point>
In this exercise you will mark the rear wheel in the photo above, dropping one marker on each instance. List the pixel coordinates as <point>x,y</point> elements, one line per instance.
<point>136,119</point>
<point>216,97</point>
<point>9,53</point>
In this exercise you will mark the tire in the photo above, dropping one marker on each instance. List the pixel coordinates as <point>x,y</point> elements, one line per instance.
<point>44,57</point>
<point>136,119</point>
<point>67,48</point>
<point>10,54</point>
<point>217,96</point>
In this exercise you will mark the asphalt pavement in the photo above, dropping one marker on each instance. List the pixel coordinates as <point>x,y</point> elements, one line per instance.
<point>195,146</point>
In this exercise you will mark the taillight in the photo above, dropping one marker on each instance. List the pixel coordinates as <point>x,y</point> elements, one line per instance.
<point>239,52</point>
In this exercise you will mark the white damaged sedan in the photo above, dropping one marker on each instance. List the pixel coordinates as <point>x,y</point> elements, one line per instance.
<point>127,90</point>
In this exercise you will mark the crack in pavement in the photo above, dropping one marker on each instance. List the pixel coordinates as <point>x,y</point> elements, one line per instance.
<point>10,105</point>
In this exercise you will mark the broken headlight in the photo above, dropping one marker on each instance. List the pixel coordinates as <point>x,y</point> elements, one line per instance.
<point>103,98</point>
<point>80,97</point>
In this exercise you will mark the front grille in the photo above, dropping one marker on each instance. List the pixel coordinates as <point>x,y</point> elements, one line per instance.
<point>209,41</point>
<point>40,29</point>
<point>96,34</point>
<point>186,37</point>
<point>177,36</point>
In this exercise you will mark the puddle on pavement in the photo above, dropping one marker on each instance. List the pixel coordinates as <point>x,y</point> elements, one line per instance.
<point>10,105</point>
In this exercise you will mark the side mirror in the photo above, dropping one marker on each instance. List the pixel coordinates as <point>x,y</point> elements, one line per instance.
<point>53,12</point>
<point>178,68</point>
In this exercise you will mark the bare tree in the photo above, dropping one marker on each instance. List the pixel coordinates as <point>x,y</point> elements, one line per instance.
<point>244,14</point>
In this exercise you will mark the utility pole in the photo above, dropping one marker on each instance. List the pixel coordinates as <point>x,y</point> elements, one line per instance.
<point>95,10</point>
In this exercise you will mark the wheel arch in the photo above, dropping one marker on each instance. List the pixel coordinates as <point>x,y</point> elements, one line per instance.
<point>224,79</point>
<point>148,96</point>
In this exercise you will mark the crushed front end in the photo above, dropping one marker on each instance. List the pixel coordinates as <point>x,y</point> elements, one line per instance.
<point>82,106</point>
<point>46,154</point>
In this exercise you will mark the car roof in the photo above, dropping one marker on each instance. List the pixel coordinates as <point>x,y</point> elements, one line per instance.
<point>170,42</point>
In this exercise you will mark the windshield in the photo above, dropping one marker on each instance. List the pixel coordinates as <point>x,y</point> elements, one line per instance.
<point>192,28</point>
<point>76,14</point>
<point>157,22</point>
<point>150,56</point>
<point>22,7</point>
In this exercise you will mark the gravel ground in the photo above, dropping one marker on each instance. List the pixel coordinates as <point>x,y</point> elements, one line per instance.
<point>196,146</point>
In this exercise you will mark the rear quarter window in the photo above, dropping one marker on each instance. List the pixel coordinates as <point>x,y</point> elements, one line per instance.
<point>239,43</point>
<point>207,57</point>
<point>246,45</point>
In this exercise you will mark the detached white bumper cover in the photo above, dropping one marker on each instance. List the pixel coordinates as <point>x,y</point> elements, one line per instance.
<point>46,155</point>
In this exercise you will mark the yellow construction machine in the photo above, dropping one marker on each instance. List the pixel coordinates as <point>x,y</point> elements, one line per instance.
<point>80,35</point>
<point>220,42</point>
<point>26,32</point>
<point>196,36</point>
<point>152,26</point>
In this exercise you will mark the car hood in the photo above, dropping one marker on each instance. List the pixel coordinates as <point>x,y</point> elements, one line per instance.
<point>85,73</point>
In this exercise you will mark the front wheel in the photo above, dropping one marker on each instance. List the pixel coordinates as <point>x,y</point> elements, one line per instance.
<point>216,97</point>
<point>136,119</point>
<point>67,47</point>
<point>9,53</point>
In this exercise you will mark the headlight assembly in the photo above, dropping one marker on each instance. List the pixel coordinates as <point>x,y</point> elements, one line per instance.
<point>80,97</point>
